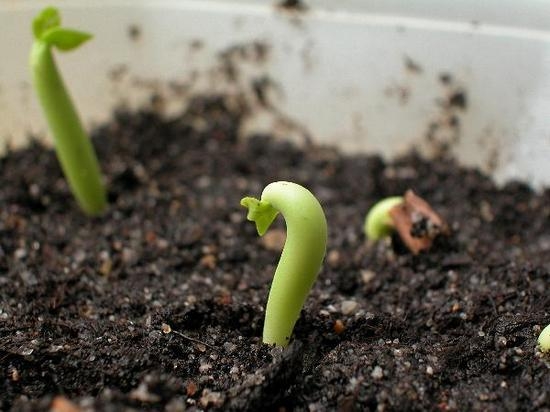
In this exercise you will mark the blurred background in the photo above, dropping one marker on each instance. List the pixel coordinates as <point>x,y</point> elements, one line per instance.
<point>380,76</point>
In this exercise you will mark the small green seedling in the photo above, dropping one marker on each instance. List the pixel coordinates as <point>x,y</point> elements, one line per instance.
<point>302,254</point>
<point>73,147</point>
<point>378,223</point>
<point>544,339</point>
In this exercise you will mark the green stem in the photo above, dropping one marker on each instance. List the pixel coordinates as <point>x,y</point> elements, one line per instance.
<point>74,149</point>
<point>302,254</point>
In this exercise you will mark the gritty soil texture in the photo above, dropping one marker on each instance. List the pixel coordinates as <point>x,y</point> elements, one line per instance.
<point>159,304</point>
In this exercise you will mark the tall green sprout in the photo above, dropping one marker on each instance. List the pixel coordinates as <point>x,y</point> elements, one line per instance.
<point>74,149</point>
<point>302,254</point>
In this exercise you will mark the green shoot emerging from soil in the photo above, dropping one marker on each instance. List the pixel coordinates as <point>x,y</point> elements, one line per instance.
<point>73,147</point>
<point>302,254</point>
<point>378,223</point>
<point>544,339</point>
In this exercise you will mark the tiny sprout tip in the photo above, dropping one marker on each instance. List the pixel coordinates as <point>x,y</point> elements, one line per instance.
<point>378,222</point>
<point>544,339</point>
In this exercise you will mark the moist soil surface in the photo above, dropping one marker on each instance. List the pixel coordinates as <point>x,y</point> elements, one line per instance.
<point>159,303</point>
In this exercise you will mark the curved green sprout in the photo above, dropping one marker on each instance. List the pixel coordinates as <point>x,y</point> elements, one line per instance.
<point>544,339</point>
<point>378,223</point>
<point>73,147</point>
<point>302,254</point>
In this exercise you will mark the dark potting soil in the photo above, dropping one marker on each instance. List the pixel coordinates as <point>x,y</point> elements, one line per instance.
<point>159,304</point>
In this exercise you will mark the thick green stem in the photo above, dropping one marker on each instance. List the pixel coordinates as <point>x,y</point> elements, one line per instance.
<point>74,149</point>
<point>300,260</point>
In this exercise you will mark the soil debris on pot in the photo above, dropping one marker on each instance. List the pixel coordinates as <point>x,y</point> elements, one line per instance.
<point>159,304</point>
<point>292,5</point>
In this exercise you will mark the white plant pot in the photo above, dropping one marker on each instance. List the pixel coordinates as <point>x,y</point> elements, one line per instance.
<point>366,76</point>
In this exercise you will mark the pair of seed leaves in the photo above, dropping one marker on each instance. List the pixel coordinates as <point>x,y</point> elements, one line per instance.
<point>46,27</point>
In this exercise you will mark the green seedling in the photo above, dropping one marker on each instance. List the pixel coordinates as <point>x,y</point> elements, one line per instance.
<point>302,254</point>
<point>73,147</point>
<point>378,223</point>
<point>544,339</point>
<point>414,220</point>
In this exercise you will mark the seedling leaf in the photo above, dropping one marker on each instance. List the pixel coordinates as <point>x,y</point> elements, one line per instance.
<point>260,212</point>
<point>65,39</point>
<point>46,20</point>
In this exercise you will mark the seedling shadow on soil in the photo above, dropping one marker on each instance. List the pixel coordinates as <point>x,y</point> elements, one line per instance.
<point>159,303</point>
